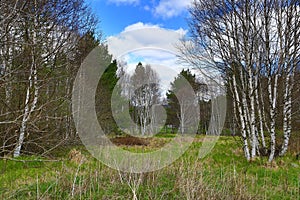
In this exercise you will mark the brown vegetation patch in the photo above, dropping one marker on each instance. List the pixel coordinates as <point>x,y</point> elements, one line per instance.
<point>76,156</point>
<point>238,151</point>
<point>271,165</point>
<point>131,141</point>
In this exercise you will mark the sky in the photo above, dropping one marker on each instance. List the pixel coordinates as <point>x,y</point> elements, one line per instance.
<point>116,15</point>
<point>146,31</point>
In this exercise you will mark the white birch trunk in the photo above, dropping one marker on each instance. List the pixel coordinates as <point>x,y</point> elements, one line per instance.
<point>27,109</point>
<point>257,119</point>
<point>33,84</point>
<point>182,118</point>
<point>273,101</point>
<point>244,132</point>
<point>260,117</point>
<point>287,112</point>
<point>252,115</point>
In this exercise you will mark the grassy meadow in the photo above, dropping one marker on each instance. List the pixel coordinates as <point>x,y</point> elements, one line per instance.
<point>72,173</point>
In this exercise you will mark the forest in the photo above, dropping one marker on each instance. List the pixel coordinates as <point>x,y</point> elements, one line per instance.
<point>226,127</point>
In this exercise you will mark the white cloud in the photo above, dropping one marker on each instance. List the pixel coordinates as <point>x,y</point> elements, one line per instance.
<point>181,31</point>
<point>162,8</point>
<point>147,8</point>
<point>171,8</point>
<point>149,44</point>
<point>139,25</point>
<point>127,2</point>
<point>154,45</point>
<point>140,35</point>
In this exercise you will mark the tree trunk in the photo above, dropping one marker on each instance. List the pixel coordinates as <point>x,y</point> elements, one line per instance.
<point>27,109</point>
<point>287,112</point>
<point>33,84</point>
<point>260,117</point>
<point>273,101</point>
<point>244,131</point>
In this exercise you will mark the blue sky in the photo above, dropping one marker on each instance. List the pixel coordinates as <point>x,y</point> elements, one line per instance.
<point>116,15</point>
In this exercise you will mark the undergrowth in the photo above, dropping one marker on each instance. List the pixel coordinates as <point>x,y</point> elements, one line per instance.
<point>223,174</point>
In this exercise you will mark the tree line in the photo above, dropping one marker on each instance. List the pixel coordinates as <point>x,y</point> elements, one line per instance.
<point>253,45</point>
<point>140,93</point>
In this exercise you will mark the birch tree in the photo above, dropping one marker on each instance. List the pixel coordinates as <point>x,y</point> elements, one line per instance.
<point>38,55</point>
<point>255,45</point>
<point>145,82</point>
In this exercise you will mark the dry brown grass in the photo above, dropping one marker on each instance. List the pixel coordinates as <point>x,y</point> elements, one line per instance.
<point>76,156</point>
<point>131,141</point>
<point>137,141</point>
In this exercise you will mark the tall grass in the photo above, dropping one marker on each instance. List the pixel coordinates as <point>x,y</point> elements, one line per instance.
<point>224,174</point>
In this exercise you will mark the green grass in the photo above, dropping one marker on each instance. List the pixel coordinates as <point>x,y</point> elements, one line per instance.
<point>165,135</point>
<point>223,174</point>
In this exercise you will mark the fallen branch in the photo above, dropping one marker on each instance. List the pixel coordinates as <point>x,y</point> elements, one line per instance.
<point>24,161</point>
